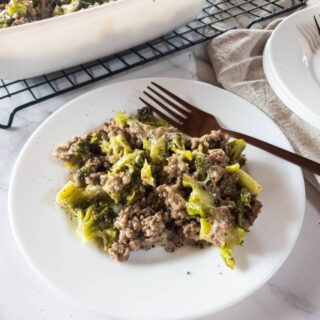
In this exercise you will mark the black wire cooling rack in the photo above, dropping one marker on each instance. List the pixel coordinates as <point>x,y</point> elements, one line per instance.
<point>217,16</point>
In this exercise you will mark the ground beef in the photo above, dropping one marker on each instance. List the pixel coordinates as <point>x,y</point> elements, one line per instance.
<point>218,157</point>
<point>175,168</point>
<point>216,173</point>
<point>222,222</point>
<point>228,186</point>
<point>252,215</point>
<point>93,178</point>
<point>18,22</point>
<point>139,227</point>
<point>111,128</point>
<point>64,152</point>
<point>116,183</point>
<point>191,230</point>
<point>174,201</point>
<point>210,141</point>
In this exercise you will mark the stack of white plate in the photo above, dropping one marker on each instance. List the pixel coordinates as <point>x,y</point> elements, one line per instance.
<point>291,62</point>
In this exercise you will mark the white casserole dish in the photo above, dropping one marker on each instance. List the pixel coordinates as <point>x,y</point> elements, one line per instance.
<point>60,42</point>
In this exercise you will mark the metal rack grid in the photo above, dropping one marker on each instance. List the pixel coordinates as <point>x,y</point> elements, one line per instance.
<point>218,16</point>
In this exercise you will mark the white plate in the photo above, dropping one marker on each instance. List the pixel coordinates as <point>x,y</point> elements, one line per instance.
<point>292,66</point>
<point>60,42</point>
<point>152,284</point>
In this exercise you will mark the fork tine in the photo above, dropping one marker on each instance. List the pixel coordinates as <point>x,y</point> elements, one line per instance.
<point>317,24</point>
<point>163,106</point>
<point>181,110</point>
<point>186,104</point>
<point>162,115</point>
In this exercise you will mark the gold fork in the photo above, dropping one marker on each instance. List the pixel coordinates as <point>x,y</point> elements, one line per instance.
<point>195,123</point>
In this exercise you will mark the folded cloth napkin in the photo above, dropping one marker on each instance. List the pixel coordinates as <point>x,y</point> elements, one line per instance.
<point>236,57</point>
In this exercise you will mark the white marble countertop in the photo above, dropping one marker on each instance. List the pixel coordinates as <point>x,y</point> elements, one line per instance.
<point>293,293</point>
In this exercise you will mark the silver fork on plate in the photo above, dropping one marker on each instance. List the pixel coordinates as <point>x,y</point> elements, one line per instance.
<point>311,33</point>
<point>195,122</point>
<point>317,24</point>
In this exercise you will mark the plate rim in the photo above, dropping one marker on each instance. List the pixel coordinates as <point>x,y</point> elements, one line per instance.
<point>287,96</point>
<point>59,289</point>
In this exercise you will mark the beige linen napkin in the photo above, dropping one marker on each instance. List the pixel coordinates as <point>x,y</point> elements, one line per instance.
<point>236,57</point>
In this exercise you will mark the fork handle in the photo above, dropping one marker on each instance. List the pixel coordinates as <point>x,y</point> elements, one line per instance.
<point>308,164</point>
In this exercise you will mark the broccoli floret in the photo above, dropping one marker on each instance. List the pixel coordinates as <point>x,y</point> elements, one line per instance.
<point>145,115</point>
<point>73,6</point>
<point>116,148</point>
<point>233,168</point>
<point>205,229</point>
<point>235,237</point>
<point>134,193</point>
<point>243,205</point>
<point>200,201</point>
<point>248,182</point>
<point>147,145</point>
<point>121,118</point>
<point>246,198</point>
<point>18,8</point>
<point>158,150</point>
<point>146,174</point>
<point>78,152</point>
<point>5,19</point>
<point>129,165</point>
<point>177,144</point>
<point>201,163</point>
<point>94,216</point>
<point>95,223</point>
<point>235,149</point>
<point>72,196</point>
<point>245,180</point>
<point>85,171</point>
<point>132,162</point>
<point>232,236</point>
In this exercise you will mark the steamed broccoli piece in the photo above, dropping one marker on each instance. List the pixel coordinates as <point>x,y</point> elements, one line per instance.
<point>145,115</point>
<point>5,19</point>
<point>205,229</point>
<point>131,164</point>
<point>245,179</point>
<point>233,168</point>
<point>18,8</point>
<point>200,201</point>
<point>94,217</point>
<point>146,174</point>
<point>177,144</point>
<point>158,150</point>
<point>95,223</point>
<point>201,163</point>
<point>73,6</point>
<point>134,193</point>
<point>147,145</point>
<point>121,118</point>
<point>233,236</point>
<point>131,161</point>
<point>227,257</point>
<point>85,171</point>
<point>243,205</point>
<point>236,236</point>
<point>72,196</point>
<point>78,152</point>
<point>246,198</point>
<point>235,149</point>
<point>116,148</point>
<point>248,182</point>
